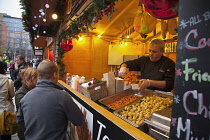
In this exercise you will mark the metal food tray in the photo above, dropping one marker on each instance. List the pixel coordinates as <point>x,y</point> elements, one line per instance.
<point>160,120</point>
<point>117,113</point>
<point>148,93</point>
<point>116,97</point>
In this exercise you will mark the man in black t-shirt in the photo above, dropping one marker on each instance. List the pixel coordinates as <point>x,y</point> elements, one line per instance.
<point>157,71</point>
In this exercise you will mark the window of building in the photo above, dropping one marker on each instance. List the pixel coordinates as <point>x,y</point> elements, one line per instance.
<point>11,34</point>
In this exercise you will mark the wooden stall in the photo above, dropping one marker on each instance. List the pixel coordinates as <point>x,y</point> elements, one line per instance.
<point>103,124</point>
<point>91,54</point>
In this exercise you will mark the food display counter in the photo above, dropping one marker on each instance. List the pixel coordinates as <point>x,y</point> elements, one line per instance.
<point>135,118</point>
<point>103,124</point>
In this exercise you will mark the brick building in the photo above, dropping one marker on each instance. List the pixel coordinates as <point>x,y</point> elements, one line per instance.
<point>13,39</point>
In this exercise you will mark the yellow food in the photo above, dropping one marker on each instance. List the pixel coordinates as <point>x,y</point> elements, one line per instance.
<point>144,108</point>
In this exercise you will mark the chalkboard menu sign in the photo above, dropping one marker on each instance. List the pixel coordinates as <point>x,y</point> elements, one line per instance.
<point>191,106</point>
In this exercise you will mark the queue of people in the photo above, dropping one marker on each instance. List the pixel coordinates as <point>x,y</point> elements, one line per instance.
<point>43,108</point>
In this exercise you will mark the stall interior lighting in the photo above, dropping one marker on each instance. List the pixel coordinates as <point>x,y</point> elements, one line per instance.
<point>99,36</point>
<point>80,38</point>
<point>127,36</point>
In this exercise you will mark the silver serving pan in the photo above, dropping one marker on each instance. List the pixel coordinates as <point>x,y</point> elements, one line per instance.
<point>159,124</point>
<point>147,93</point>
<point>116,97</point>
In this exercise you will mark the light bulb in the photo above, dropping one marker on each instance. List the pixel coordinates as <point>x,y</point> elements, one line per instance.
<point>41,10</point>
<point>80,38</point>
<point>36,25</point>
<point>44,32</point>
<point>54,16</point>
<point>47,5</point>
<point>34,16</point>
<point>99,36</point>
<point>127,36</point>
<point>44,20</point>
<point>42,13</point>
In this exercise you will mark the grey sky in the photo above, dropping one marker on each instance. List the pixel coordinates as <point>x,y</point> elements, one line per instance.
<point>11,7</point>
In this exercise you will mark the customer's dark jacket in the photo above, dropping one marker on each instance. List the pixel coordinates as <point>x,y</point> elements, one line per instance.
<point>18,96</point>
<point>17,78</point>
<point>45,111</point>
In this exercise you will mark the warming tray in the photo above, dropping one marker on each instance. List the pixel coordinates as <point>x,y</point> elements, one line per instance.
<point>138,102</point>
<point>159,124</point>
<point>116,97</point>
<point>160,120</point>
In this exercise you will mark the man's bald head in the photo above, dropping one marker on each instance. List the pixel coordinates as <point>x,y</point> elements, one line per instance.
<point>46,69</point>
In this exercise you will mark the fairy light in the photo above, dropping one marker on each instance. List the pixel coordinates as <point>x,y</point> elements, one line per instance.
<point>54,16</point>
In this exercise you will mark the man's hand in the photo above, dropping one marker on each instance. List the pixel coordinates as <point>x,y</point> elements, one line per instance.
<point>143,84</point>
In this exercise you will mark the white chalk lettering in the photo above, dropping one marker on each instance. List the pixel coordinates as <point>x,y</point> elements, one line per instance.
<point>181,128</point>
<point>202,43</point>
<point>201,107</point>
<point>206,15</point>
<point>188,70</point>
<point>196,75</point>
<point>100,130</point>
<point>185,97</point>
<point>194,20</point>
<point>189,133</point>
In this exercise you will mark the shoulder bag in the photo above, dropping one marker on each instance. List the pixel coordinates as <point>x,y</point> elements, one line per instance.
<point>8,125</point>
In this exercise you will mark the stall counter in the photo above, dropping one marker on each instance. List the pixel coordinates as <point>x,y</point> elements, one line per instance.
<point>101,123</point>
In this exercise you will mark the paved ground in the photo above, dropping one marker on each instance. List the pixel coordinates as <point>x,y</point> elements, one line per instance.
<point>15,137</point>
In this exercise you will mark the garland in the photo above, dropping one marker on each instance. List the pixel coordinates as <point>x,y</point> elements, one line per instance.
<point>60,55</point>
<point>84,23</point>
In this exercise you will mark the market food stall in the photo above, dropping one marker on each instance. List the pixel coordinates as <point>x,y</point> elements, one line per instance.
<point>127,121</point>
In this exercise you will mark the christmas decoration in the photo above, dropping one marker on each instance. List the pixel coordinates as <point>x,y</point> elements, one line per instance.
<point>161,9</point>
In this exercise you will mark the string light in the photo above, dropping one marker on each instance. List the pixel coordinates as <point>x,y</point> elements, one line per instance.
<point>41,10</point>
<point>42,13</point>
<point>47,5</point>
<point>54,16</point>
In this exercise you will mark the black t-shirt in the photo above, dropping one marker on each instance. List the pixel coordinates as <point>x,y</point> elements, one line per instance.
<point>162,70</point>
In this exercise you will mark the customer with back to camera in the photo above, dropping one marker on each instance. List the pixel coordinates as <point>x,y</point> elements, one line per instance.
<point>46,109</point>
<point>29,78</point>
<point>6,84</point>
